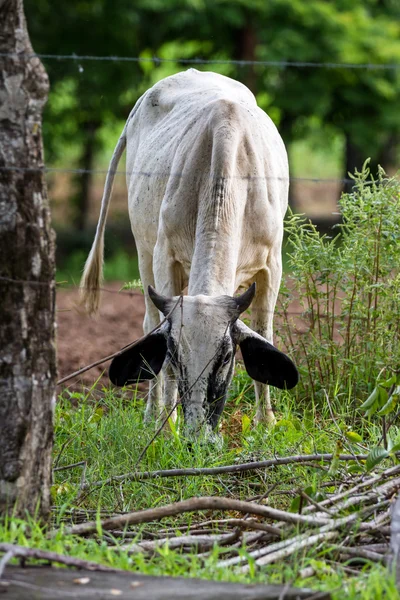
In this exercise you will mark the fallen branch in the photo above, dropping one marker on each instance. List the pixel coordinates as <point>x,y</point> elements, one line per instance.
<point>326,533</point>
<point>82,463</point>
<point>191,505</point>
<point>250,466</point>
<point>286,547</point>
<point>285,552</point>
<point>371,482</point>
<point>203,542</point>
<point>360,553</point>
<point>13,551</point>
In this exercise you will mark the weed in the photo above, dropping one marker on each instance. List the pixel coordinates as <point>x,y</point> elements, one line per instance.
<point>349,289</point>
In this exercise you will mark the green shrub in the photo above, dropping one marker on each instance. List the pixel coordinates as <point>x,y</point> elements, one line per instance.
<point>349,289</point>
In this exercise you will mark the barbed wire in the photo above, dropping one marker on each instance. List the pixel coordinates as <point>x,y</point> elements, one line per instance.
<point>201,61</point>
<point>164,174</point>
<point>278,311</point>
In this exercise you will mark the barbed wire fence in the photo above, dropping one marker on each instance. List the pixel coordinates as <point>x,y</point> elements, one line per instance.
<point>281,64</point>
<point>201,61</point>
<point>156,60</point>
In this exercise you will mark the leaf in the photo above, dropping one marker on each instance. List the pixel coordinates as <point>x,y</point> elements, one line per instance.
<point>96,416</point>
<point>352,436</point>
<point>355,468</point>
<point>395,448</point>
<point>389,382</point>
<point>246,422</point>
<point>334,466</point>
<point>284,424</point>
<point>388,407</point>
<point>372,398</point>
<point>375,457</point>
<point>383,396</point>
<point>295,504</point>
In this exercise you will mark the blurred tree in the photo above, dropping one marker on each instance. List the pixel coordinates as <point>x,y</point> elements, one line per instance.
<point>360,103</point>
<point>85,94</point>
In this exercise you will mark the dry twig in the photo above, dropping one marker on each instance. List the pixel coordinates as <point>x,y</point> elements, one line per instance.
<point>12,551</point>
<point>250,466</point>
<point>191,505</point>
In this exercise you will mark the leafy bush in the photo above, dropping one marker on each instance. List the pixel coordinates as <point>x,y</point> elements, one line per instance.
<point>349,289</point>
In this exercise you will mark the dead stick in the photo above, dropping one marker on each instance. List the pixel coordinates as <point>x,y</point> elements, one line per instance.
<point>325,533</point>
<point>191,505</point>
<point>359,552</point>
<point>251,466</point>
<point>368,483</point>
<point>200,541</point>
<point>66,467</point>
<point>22,552</point>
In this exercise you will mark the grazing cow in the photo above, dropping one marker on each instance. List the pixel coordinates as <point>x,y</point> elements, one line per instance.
<point>207,178</point>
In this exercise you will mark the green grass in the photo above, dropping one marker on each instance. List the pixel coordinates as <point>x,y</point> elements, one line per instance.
<point>105,428</point>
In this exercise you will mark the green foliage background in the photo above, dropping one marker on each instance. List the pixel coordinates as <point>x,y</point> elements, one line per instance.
<point>360,104</point>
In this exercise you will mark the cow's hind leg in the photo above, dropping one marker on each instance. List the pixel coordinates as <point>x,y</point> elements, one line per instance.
<point>262,311</point>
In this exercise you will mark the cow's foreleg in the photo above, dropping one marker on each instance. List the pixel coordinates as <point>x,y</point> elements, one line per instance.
<point>268,282</point>
<point>168,281</point>
<point>151,320</point>
<point>170,392</point>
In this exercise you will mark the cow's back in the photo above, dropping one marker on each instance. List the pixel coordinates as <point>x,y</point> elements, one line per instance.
<point>192,131</point>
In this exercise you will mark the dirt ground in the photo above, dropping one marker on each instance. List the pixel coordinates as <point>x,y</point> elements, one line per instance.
<point>82,340</point>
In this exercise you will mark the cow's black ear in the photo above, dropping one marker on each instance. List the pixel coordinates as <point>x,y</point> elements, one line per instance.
<point>140,363</point>
<point>266,364</point>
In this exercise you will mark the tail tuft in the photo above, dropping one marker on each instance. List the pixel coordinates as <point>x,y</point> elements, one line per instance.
<point>92,278</point>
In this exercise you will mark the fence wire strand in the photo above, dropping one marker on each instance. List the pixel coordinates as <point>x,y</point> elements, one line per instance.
<point>202,61</point>
<point>164,174</point>
<point>302,313</point>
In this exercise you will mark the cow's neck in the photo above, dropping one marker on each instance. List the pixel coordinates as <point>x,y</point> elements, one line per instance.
<point>213,270</point>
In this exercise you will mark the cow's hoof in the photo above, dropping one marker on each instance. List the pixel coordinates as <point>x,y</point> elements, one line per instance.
<point>266,418</point>
<point>205,438</point>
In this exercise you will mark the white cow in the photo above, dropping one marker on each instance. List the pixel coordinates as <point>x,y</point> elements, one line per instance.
<point>207,178</point>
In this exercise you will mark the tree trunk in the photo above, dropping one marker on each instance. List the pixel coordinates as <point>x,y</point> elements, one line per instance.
<point>27,287</point>
<point>388,157</point>
<point>246,43</point>
<point>82,204</point>
<point>354,159</point>
<point>285,129</point>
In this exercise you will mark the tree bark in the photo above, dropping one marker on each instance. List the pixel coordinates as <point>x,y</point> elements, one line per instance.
<point>354,159</point>
<point>27,287</point>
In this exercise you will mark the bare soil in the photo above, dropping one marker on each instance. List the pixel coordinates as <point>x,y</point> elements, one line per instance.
<point>82,340</point>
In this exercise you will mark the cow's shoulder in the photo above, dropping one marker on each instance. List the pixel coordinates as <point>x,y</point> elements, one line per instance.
<point>192,88</point>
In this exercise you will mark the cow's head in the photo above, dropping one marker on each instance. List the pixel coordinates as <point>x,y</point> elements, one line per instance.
<point>199,340</point>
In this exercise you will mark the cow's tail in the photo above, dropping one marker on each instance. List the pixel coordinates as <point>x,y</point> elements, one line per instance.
<point>93,272</point>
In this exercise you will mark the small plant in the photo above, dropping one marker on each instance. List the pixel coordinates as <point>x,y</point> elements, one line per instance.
<point>135,284</point>
<point>349,289</point>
